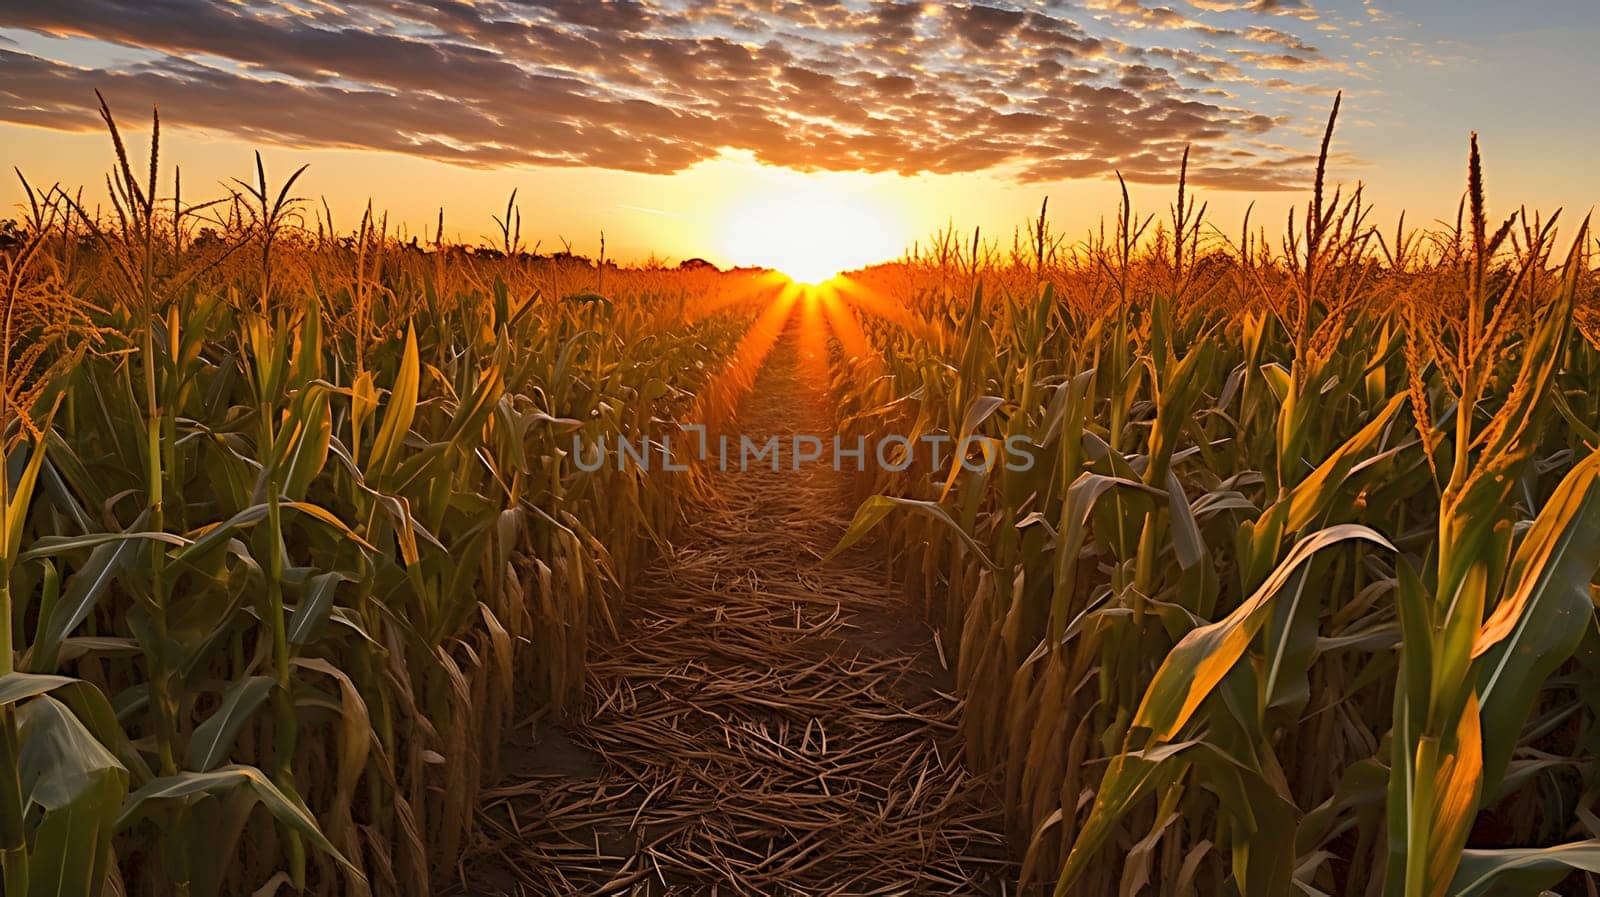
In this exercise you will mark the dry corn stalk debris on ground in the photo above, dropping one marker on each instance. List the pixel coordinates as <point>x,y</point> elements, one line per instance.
<point>768,723</point>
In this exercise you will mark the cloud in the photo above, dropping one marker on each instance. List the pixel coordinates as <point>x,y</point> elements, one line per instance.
<point>1262,34</point>
<point>1147,16</point>
<point>1300,9</point>
<point>656,86</point>
<point>1282,61</point>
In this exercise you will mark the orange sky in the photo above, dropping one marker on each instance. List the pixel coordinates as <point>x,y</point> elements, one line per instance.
<point>683,133</point>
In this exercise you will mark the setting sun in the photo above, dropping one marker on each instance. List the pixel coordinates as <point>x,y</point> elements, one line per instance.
<point>809,233</point>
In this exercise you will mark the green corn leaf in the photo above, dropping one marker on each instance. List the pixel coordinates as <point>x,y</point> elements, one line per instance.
<point>83,590</point>
<point>977,412</point>
<point>79,786</point>
<point>184,786</point>
<point>1278,379</point>
<point>1543,613</point>
<point>16,687</point>
<point>314,607</point>
<point>21,496</point>
<point>398,411</point>
<point>53,546</point>
<point>1187,542</point>
<point>1316,492</point>
<point>215,536</point>
<point>306,435</point>
<point>211,740</point>
<point>1082,496</point>
<point>1518,872</point>
<point>1198,662</point>
<point>875,509</point>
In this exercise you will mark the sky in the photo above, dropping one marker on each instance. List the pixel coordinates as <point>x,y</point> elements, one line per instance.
<point>767,131</point>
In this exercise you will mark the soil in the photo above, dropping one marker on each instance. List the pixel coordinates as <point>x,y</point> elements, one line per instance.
<point>768,724</point>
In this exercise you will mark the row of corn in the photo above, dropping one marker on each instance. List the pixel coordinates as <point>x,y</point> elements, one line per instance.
<point>1296,597</point>
<point>292,528</point>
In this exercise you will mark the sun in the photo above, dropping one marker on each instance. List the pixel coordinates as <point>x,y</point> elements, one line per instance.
<point>809,233</point>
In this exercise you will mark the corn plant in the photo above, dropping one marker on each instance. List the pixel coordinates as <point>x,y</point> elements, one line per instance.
<point>1285,601</point>
<point>294,530</point>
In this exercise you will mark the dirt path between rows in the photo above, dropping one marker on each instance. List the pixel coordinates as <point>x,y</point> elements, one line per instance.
<point>768,724</point>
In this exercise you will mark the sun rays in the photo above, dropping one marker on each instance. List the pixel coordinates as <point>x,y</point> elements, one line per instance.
<point>829,313</point>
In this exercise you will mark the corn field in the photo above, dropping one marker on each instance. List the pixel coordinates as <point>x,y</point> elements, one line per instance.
<point>291,529</point>
<point>1295,596</point>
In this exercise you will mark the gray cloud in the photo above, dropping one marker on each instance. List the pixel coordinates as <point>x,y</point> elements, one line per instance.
<point>651,86</point>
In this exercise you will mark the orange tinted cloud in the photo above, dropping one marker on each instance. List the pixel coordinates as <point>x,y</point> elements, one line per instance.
<point>1042,92</point>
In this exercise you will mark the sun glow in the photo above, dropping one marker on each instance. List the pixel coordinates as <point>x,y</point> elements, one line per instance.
<point>808,232</point>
